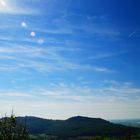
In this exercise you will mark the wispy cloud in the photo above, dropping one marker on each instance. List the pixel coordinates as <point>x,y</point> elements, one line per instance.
<point>70,92</point>
<point>61,97</point>
<point>106,55</point>
<point>58,30</point>
<point>133,33</point>
<point>64,26</point>
<point>55,110</point>
<point>15,94</point>
<point>46,59</point>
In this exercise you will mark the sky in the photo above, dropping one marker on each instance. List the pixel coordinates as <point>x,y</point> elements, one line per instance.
<point>63,58</point>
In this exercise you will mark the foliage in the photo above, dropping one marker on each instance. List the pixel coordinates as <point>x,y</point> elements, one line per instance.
<point>10,129</point>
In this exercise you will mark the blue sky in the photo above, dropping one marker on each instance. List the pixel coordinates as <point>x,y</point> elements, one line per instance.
<point>70,57</point>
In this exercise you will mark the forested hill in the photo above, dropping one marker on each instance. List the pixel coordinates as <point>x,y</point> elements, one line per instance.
<point>75,126</point>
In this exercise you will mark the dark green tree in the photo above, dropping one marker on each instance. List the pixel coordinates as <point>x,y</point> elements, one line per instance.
<point>10,129</point>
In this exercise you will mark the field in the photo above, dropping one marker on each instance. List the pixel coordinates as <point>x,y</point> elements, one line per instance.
<point>49,137</point>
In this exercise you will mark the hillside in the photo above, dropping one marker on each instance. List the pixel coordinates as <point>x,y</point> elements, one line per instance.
<point>75,126</point>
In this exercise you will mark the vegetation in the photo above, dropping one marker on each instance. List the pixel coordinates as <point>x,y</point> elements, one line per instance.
<point>10,129</point>
<point>49,137</point>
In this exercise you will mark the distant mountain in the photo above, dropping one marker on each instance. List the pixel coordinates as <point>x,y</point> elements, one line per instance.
<point>75,126</point>
<point>128,122</point>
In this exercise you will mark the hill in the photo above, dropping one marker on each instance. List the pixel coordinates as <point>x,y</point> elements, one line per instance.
<point>75,126</point>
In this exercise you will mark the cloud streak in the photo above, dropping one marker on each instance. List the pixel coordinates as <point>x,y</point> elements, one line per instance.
<point>60,91</point>
<point>106,55</point>
<point>48,59</point>
<point>133,33</point>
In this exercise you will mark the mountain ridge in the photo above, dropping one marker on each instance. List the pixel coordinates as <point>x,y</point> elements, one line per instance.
<point>74,126</point>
